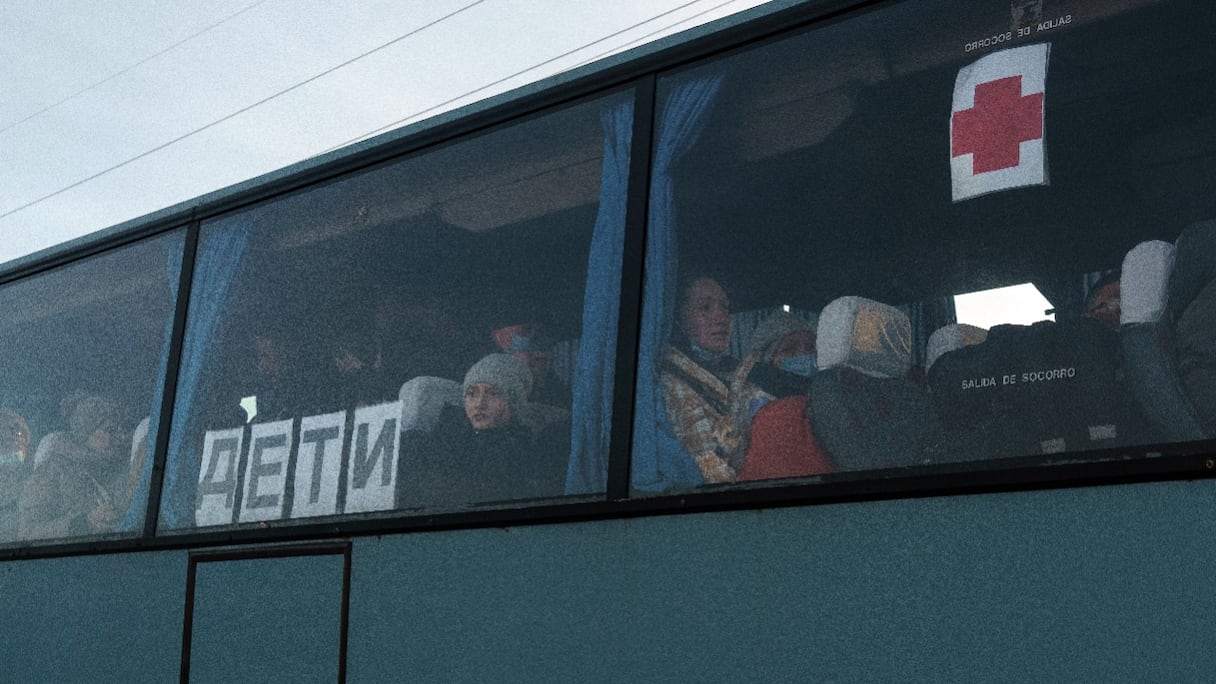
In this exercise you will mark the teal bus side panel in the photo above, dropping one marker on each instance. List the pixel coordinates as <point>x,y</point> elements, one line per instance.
<point>267,620</point>
<point>111,618</point>
<point>1109,583</point>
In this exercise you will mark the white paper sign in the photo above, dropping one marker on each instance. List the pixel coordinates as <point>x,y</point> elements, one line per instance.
<point>266,471</point>
<point>371,474</point>
<point>215,500</point>
<point>318,463</point>
<point>996,123</point>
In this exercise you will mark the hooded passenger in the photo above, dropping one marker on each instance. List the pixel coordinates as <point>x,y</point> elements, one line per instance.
<point>80,488</point>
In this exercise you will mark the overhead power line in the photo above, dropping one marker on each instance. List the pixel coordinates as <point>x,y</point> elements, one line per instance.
<point>534,67</point>
<point>330,70</point>
<point>644,38</point>
<point>238,112</point>
<point>138,64</point>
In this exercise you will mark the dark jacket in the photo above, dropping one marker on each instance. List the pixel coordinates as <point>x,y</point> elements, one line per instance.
<point>456,465</point>
<point>64,488</point>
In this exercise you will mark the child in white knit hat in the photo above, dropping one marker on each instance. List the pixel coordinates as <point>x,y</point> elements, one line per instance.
<point>495,388</point>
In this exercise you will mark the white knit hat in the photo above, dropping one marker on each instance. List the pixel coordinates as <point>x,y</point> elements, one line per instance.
<point>506,373</point>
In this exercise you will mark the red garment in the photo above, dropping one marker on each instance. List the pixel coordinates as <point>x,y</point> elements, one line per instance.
<point>783,443</point>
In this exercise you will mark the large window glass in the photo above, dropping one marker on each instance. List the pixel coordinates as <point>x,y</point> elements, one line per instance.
<point>437,333</point>
<point>830,210</point>
<point>85,349</point>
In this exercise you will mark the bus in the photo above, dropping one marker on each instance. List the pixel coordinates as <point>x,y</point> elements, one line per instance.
<point>668,368</point>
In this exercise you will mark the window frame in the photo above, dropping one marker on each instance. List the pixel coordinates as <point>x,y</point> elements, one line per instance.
<point>640,71</point>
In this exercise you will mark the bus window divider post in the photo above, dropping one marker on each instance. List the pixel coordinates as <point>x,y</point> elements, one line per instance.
<point>176,341</point>
<point>632,278</point>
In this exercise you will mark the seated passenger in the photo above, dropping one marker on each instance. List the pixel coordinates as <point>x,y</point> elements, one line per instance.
<point>354,377</point>
<point>1192,302</point>
<point>484,453</point>
<point>1097,336</point>
<point>528,343</point>
<point>779,362</point>
<point>81,487</point>
<point>1102,305</point>
<point>271,380</point>
<point>548,405</point>
<point>1148,346</point>
<point>47,443</point>
<point>783,443</point>
<point>693,377</point>
<point>14,468</point>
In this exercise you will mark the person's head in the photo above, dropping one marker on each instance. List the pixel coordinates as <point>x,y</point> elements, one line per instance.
<point>529,344</point>
<point>494,390</point>
<point>1104,301</point>
<point>269,355</point>
<point>786,341</point>
<point>96,423</point>
<point>356,350</point>
<point>704,315</point>
<point>14,436</point>
<point>795,344</point>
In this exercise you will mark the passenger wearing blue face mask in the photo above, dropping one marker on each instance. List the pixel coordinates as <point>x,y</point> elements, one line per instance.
<point>779,362</point>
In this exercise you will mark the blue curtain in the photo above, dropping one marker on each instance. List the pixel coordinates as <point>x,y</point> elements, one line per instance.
<point>659,462</point>
<point>134,517</point>
<point>220,253</point>
<point>596,362</point>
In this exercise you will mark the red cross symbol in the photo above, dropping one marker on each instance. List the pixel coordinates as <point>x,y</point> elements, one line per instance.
<point>995,126</point>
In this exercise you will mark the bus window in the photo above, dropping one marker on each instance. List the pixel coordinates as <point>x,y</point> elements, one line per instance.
<point>407,338</point>
<point>862,175</point>
<point>86,346</point>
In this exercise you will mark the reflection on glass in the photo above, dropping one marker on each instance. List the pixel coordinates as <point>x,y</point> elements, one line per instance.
<point>86,346</point>
<point>901,286</point>
<point>410,337</point>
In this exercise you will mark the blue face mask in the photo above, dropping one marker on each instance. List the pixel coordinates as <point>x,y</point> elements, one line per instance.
<point>798,365</point>
<point>704,355</point>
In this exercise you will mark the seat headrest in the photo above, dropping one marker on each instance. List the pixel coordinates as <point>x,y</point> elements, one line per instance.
<point>138,439</point>
<point>1194,265</point>
<point>950,337</point>
<point>47,445</point>
<point>423,399</point>
<point>868,336</point>
<point>1144,282</point>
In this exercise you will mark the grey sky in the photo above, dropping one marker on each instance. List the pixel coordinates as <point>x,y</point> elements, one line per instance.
<point>219,57</point>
